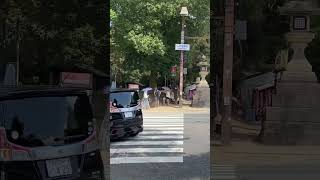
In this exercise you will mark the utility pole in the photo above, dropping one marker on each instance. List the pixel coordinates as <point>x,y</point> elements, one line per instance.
<point>227,71</point>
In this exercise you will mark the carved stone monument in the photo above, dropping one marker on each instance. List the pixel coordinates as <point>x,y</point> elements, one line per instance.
<point>294,117</point>
<point>202,96</point>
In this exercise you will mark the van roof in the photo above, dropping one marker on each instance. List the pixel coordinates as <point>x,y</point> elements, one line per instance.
<point>123,90</point>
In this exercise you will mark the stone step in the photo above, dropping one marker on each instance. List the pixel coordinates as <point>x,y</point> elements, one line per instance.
<point>292,133</point>
<point>296,88</point>
<point>299,101</point>
<point>293,114</point>
<point>299,76</point>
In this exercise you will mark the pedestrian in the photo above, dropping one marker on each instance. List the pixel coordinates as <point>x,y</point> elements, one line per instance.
<point>168,96</point>
<point>158,93</point>
<point>145,100</point>
<point>175,94</point>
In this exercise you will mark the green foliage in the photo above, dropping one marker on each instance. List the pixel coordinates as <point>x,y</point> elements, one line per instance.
<point>144,34</point>
<point>53,32</point>
<point>81,45</point>
<point>266,29</point>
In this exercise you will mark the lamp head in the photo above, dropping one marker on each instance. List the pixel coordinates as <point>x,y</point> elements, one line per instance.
<point>184,11</point>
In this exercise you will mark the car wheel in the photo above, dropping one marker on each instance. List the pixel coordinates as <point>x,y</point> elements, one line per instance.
<point>134,134</point>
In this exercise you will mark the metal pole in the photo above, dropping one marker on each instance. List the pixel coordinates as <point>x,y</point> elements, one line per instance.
<point>181,63</point>
<point>227,74</point>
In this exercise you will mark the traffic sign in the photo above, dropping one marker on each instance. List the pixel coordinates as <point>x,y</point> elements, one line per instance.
<point>185,71</point>
<point>182,47</point>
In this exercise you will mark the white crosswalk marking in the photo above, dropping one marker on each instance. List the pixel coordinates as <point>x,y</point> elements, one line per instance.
<point>223,172</point>
<point>160,142</point>
<point>160,137</point>
<point>162,125</point>
<point>128,143</point>
<point>146,150</point>
<point>145,132</point>
<point>165,128</point>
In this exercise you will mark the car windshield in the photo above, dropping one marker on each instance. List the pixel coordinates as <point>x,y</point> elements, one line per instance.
<point>41,121</point>
<point>124,99</point>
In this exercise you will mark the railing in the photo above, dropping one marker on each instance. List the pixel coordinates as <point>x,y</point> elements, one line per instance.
<point>262,99</point>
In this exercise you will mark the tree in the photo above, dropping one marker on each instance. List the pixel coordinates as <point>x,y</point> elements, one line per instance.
<point>53,32</point>
<point>266,29</point>
<point>145,33</point>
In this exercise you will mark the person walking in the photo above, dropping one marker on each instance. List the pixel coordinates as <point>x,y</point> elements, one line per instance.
<point>145,100</point>
<point>168,97</point>
<point>158,94</point>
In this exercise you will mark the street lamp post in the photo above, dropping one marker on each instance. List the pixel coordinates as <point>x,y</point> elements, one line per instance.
<point>184,12</point>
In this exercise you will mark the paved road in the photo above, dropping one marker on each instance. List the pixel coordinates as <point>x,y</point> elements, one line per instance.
<point>171,147</point>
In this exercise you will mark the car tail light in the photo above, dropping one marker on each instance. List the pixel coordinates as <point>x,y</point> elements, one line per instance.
<point>5,149</point>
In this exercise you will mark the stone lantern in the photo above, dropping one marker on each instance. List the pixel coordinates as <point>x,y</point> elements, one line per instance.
<point>294,115</point>
<point>204,65</point>
<point>201,98</point>
<point>300,36</point>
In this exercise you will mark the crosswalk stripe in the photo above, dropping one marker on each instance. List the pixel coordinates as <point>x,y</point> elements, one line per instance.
<point>162,138</point>
<point>130,143</point>
<point>163,129</point>
<point>146,150</point>
<point>162,125</point>
<point>165,120</point>
<point>160,159</point>
<point>161,132</point>
<point>158,137</point>
<point>161,118</point>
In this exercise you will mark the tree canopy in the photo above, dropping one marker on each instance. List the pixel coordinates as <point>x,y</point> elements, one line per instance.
<point>53,32</point>
<point>144,34</point>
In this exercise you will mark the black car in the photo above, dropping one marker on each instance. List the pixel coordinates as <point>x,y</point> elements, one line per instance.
<point>48,133</point>
<point>126,117</point>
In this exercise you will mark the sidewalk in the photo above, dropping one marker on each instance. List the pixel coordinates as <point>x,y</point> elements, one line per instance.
<point>249,153</point>
<point>245,151</point>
